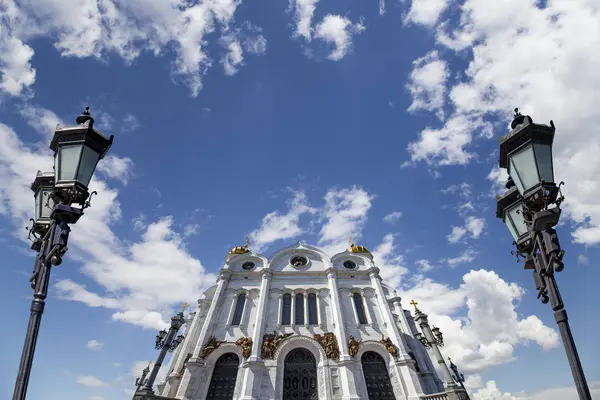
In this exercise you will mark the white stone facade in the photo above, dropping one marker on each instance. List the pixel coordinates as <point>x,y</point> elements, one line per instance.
<point>331,287</point>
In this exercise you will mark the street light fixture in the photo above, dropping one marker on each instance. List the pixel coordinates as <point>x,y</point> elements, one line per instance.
<point>439,338</point>
<point>458,377</point>
<point>77,151</point>
<point>530,209</point>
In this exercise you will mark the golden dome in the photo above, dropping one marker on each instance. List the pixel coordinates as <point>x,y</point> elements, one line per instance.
<point>241,249</point>
<point>357,248</point>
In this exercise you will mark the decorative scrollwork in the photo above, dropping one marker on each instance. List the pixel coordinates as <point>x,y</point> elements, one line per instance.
<point>210,346</point>
<point>245,344</point>
<point>329,343</point>
<point>390,347</point>
<point>88,202</point>
<point>270,344</point>
<point>353,346</point>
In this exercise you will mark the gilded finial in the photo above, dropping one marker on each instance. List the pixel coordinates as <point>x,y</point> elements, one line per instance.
<point>414,304</point>
<point>149,363</point>
<point>183,307</point>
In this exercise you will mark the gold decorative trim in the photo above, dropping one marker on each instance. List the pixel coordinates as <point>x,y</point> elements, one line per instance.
<point>391,347</point>
<point>329,343</point>
<point>353,346</point>
<point>270,344</point>
<point>245,343</point>
<point>211,346</point>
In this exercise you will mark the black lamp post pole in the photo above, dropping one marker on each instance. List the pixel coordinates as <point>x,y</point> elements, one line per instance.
<point>53,246</point>
<point>545,248</point>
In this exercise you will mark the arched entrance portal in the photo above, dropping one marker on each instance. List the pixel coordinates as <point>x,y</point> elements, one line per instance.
<point>300,376</point>
<point>222,383</point>
<point>377,378</point>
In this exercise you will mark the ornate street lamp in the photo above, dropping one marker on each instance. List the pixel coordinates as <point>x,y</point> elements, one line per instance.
<point>458,377</point>
<point>530,209</point>
<point>77,152</point>
<point>165,342</point>
<point>439,338</point>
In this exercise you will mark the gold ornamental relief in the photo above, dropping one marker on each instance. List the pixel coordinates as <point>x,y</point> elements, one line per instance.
<point>210,346</point>
<point>245,343</point>
<point>329,343</point>
<point>353,346</point>
<point>270,344</point>
<point>391,348</point>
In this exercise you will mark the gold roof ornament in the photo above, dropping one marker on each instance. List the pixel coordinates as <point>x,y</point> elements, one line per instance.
<point>414,304</point>
<point>241,249</point>
<point>357,248</point>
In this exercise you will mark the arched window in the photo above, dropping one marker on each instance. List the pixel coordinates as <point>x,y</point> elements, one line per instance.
<point>377,378</point>
<point>299,311</point>
<point>239,309</point>
<point>312,309</point>
<point>360,308</point>
<point>286,309</point>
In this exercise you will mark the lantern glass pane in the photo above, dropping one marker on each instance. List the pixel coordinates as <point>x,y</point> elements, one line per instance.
<point>68,161</point>
<point>543,158</point>
<point>89,159</point>
<point>47,204</point>
<point>515,221</point>
<point>523,169</point>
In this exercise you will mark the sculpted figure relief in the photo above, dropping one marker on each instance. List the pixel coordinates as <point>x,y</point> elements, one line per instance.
<point>270,344</point>
<point>245,344</point>
<point>353,346</point>
<point>391,348</point>
<point>329,343</point>
<point>210,346</point>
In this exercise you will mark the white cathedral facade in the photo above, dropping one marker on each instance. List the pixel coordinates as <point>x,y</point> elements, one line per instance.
<point>301,325</point>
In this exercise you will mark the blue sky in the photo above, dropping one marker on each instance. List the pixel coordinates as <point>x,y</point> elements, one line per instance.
<point>309,120</point>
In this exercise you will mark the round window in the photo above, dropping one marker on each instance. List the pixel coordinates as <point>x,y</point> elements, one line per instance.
<point>349,264</point>
<point>299,261</point>
<point>248,265</point>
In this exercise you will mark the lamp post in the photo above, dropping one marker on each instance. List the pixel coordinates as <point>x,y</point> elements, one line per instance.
<point>141,381</point>
<point>165,342</point>
<point>432,338</point>
<point>530,208</point>
<point>77,150</point>
<point>458,377</point>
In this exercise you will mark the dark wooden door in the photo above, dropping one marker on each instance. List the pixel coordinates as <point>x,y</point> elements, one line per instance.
<point>222,383</point>
<point>377,378</point>
<point>300,376</point>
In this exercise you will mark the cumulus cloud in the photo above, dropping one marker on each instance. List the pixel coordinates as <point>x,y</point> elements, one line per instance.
<point>473,227</point>
<point>427,84</point>
<point>426,12</point>
<point>466,256</point>
<point>537,34</point>
<point>114,27</point>
<point>276,226</point>
<point>90,381</point>
<point>392,217</point>
<point>389,261</point>
<point>94,345</point>
<point>338,30</point>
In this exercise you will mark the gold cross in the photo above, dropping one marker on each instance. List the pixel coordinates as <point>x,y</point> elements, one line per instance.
<point>183,307</point>
<point>414,304</point>
<point>149,363</point>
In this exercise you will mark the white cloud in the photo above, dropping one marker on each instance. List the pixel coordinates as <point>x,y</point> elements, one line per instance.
<point>392,217</point>
<point>491,391</point>
<point>41,119</point>
<point>94,344</point>
<point>135,276</point>
<point>491,329</point>
<point>90,381</point>
<point>427,84</point>
<point>126,28</point>
<point>234,56</point>
<point>473,226</point>
<point>344,215</point>
<point>381,7</point>
<point>583,260</point>
<point>130,123</point>
<point>537,34</point>
<point>390,263</point>
<point>426,12</point>
<point>463,189</point>
<point>276,226</point>
<point>424,265</point>
<point>466,256</point>
<point>115,167</point>
<point>303,14</point>
<point>338,31</point>
<point>498,176</point>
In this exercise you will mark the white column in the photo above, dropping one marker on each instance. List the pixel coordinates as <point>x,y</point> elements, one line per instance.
<point>187,342</point>
<point>231,308</point>
<point>247,300</point>
<point>319,315</point>
<point>210,315</point>
<point>370,319</point>
<point>280,310</point>
<point>353,306</point>
<point>293,311</point>
<point>337,312</point>
<point>305,309</point>
<point>261,320</point>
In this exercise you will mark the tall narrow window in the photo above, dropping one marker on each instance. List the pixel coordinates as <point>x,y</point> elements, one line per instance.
<point>286,309</point>
<point>360,308</point>
<point>239,309</point>
<point>312,309</point>
<point>299,311</point>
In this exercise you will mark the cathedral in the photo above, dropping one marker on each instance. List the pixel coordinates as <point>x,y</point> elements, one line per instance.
<point>304,325</point>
